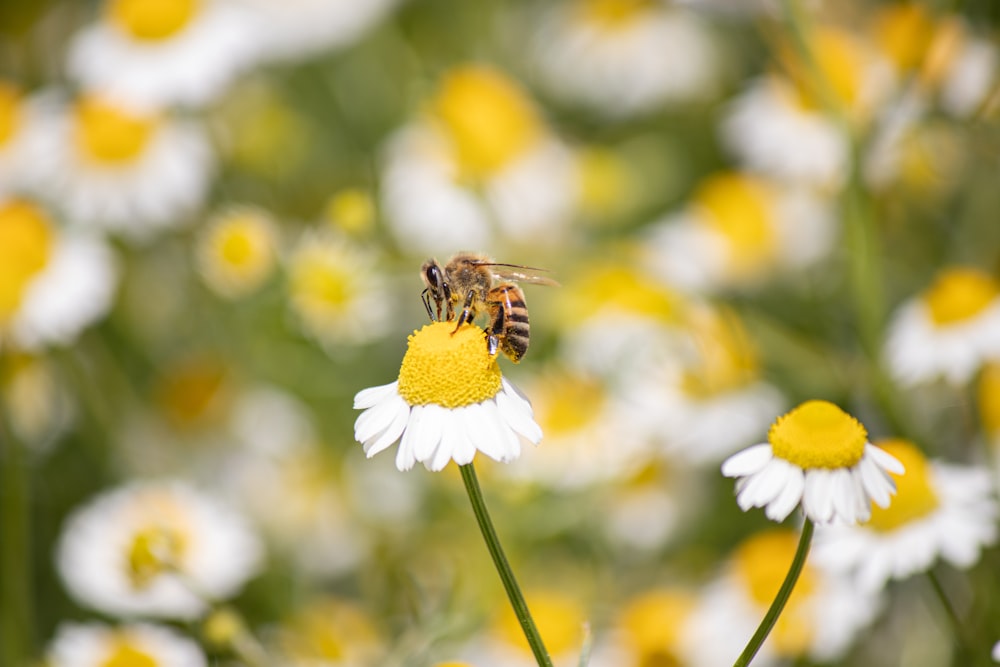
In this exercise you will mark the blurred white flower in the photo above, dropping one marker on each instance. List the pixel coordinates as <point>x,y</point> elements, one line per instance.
<point>35,399</point>
<point>155,549</point>
<point>948,331</point>
<point>237,251</point>
<point>117,167</point>
<point>98,645</point>
<point>53,282</point>
<point>158,53</point>
<point>624,57</point>
<point>16,118</point>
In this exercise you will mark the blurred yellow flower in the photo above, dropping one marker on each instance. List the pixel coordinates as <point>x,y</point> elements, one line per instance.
<point>130,645</point>
<point>236,252</point>
<point>352,211</point>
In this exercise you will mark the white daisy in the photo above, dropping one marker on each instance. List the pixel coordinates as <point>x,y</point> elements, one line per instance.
<point>624,57</point>
<point>941,510</point>
<point>113,166</point>
<point>450,400</point>
<point>155,549</point>
<point>53,282</point>
<point>98,645</point>
<point>820,621</point>
<point>16,119</point>
<point>236,252</point>
<point>948,331</point>
<point>819,457</point>
<point>158,53</point>
<point>291,31</point>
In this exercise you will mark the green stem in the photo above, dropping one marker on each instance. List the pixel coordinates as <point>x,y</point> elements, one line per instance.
<point>771,617</point>
<point>503,567</point>
<point>16,632</point>
<point>958,627</point>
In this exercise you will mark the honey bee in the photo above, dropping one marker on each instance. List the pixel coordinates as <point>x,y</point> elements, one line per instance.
<point>475,283</point>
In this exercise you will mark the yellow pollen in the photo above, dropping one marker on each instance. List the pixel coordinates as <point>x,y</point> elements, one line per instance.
<point>740,208</point>
<point>761,563</point>
<point>613,14</point>
<point>559,619</point>
<point>26,238</point>
<point>448,369</point>
<point>915,496</point>
<point>107,134</point>
<point>960,294</point>
<point>10,111</point>
<point>904,33</point>
<point>488,117</point>
<point>125,654</point>
<point>818,434</point>
<point>154,550</point>
<point>568,403</point>
<point>653,624</point>
<point>152,20</point>
<point>989,398</point>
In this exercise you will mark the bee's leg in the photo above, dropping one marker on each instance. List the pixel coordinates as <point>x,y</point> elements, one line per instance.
<point>492,343</point>
<point>466,315</point>
<point>498,321</point>
<point>425,297</point>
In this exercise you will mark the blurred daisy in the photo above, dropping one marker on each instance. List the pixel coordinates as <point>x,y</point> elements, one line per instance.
<point>116,167</point>
<point>351,211</point>
<point>643,512</point>
<point>334,291</point>
<point>292,31</point>
<point>158,53</point>
<point>778,126</point>
<point>940,510</point>
<point>16,116</point>
<point>712,400</point>
<point>236,251</point>
<point>35,399</point>
<point>155,549</point>
<point>948,331</point>
<point>960,67</point>
<point>98,645</point>
<point>820,621</point>
<point>330,631</point>
<point>624,57</point>
<point>650,628</point>
<point>819,457</point>
<point>450,400</point>
<point>53,282</point>
<point>988,396</point>
<point>737,231</point>
<point>481,155</point>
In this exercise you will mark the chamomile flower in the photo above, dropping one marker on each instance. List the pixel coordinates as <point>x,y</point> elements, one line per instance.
<point>449,402</point>
<point>155,549</point>
<point>819,457</point>
<point>737,231</point>
<point>941,510</point>
<point>53,282</point>
<point>236,252</point>
<point>119,167</point>
<point>624,57</point>
<point>480,155</point>
<point>35,399</point>
<point>330,631</point>
<point>820,621</point>
<point>949,330</point>
<point>334,291</point>
<point>98,645</point>
<point>642,513</point>
<point>650,628</point>
<point>159,53</point>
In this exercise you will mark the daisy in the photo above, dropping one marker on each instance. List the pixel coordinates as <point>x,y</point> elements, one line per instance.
<point>236,251</point>
<point>821,619</point>
<point>948,331</point>
<point>819,457</point>
<point>352,211</point>
<point>479,163</point>
<point>35,398</point>
<point>960,66</point>
<point>644,512</point>
<point>330,631</point>
<point>158,53</point>
<point>450,400</point>
<point>155,549</point>
<point>650,627</point>
<point>334,291</point>
<point>941,510</point>
<point>115,166</point>
<point>738,230</point>
<point>98,645</point>
<point>624,57</point>
<point>16,119</point>
<point>53,282</point>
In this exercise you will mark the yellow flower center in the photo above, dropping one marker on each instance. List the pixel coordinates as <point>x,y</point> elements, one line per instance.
<point>653,624</point>
<point>818,434</point>
<point>447,367</point>
<point>238,252</point>
<point>740,208</point>
<point>615,287</point>
<point>960,294</point>
<point>26,238</point>
<point>989,398</point>
<point>152,20</point>
<point>558,617</point>
<point>568,403</point>
<point>154,550</point>
<point>10,111</point>
<point>330,630</point>
<point>124,654</point>
<point>725,358</point>
<point>915,497</point>
<point>841,62</point>
<point>613,14</point>
<point>488,117</point>
<point>904,32</point>
<point>761,563</point>
<point>107,134</point>
<point>352,211</point>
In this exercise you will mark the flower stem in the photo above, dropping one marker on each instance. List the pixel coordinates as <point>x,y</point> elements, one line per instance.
<point>503,567</point>
<point>958,627</point>
<point>771,617</point>
<point>16,632</point>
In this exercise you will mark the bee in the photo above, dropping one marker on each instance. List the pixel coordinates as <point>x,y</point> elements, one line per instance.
<point>475,283</point>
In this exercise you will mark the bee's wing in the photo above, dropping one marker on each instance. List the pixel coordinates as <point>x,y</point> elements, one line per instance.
<point>522,274</point>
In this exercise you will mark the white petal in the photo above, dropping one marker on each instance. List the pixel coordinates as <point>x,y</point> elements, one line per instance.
<point>817,500</point>
<point>876,482</point>
<point>426,428</point>
<point>392,432</point>
<point>366,398</point>
<point>516,396</point>
<point>517,413</point>
<point>405,455</point>
<point>844,495</point>
<point>377,418</point>
<point>747,462</point>
<point>884,459</point>
<point>490,438</point>
<point>767,484</point>
<point>452,434</point>
<point>788,499</point>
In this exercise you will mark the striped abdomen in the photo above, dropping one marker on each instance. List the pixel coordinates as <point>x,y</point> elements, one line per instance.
<point>509,319</point>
